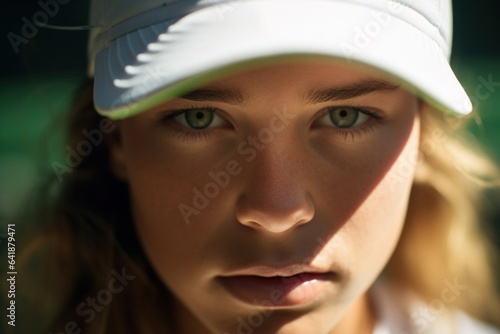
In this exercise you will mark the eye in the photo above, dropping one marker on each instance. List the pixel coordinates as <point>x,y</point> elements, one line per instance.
<point>344,117</point>
<point>199,119</point>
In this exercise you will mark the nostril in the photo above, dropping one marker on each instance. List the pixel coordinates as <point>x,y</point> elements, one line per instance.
<point>273,218</point>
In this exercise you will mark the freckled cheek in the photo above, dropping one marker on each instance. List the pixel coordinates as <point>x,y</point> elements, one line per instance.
<point>374,229</point>
<point>365,193</point>
<point>166,239</point>
<point>347,175</point>
<point>161,177</point>
<point>169,171</point>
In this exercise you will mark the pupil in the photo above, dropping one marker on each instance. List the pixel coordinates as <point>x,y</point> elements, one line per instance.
<point>343,113</point>
<point>199,115</point>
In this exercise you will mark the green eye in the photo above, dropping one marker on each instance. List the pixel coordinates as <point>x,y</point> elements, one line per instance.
<point>199,118</point>
<point>344,117</point>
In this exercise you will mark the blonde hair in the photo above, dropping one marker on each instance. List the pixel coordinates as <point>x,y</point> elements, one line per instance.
<point>80,243</point>
<point>444,239</point>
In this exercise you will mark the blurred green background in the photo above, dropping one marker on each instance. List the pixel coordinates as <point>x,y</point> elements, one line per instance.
<point>37,82</point>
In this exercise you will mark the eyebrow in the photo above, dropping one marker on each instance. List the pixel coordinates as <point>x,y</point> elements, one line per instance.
<point>350,91</point>
<point>215,95</point>
<point>314,96</point>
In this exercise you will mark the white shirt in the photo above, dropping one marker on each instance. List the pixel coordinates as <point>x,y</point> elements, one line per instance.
<point>404,314</point>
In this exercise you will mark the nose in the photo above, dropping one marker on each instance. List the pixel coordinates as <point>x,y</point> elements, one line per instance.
<point>275,197</point>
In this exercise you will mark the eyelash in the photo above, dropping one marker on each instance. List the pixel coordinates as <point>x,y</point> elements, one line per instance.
<point>167,117</point>
<point>375,117</point>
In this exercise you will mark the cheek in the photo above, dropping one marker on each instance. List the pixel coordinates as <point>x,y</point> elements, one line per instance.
<point>161,179</point>
<point>377,200</point>
<point>163,176</point>
<point>378,222</point>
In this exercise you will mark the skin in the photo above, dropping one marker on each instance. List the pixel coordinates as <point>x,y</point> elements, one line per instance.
<point>314,194</point>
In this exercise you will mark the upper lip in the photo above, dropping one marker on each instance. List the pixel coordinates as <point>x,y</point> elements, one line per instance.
<point>273,271</point>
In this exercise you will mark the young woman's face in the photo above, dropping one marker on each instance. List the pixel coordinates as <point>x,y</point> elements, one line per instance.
<point>270,200</point>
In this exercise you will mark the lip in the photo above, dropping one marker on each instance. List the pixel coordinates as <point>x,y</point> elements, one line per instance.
<point>289,286</point>
<point>271,271</point>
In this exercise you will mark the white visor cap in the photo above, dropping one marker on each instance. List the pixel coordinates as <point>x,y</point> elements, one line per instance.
<point>142,53</point>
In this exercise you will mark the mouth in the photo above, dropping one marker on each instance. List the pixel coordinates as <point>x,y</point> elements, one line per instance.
<point>279,287</point>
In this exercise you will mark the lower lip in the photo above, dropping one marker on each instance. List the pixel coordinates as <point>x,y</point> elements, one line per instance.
<point>297,290</point>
